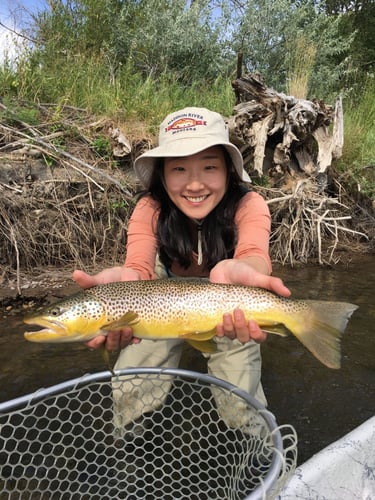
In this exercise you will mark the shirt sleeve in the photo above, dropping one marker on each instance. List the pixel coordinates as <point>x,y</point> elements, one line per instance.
<point>253,222</point>
<point>142,244</point>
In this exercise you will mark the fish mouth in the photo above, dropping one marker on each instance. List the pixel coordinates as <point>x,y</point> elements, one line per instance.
<point>49,328</point>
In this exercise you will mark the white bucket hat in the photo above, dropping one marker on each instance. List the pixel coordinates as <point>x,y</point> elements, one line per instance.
<point>187,132</point>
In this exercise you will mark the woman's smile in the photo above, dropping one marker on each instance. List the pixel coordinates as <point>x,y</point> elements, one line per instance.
<point>196,199</point>
<point>196,184</point>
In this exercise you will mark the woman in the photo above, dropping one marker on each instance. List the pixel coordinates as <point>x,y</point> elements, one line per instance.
<point>195,218</point>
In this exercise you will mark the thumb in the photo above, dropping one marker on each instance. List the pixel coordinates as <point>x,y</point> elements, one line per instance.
<point>276,285</point>
<point>268,282</point>
<point>83,279</point>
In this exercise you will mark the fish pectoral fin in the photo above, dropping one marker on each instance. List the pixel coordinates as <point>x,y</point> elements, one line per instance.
<point>128,319</point>
<point>105,356</point>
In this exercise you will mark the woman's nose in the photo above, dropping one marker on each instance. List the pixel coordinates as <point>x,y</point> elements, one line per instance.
<point>194,182</point>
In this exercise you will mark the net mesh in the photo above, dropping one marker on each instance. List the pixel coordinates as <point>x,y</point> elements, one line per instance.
<point>63,443</point>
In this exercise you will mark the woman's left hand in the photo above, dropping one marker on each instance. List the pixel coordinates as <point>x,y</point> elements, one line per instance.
<point>237,327</point>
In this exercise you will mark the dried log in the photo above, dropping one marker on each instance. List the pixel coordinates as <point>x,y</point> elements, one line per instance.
<point>330,146</point>
<point>281,136</point>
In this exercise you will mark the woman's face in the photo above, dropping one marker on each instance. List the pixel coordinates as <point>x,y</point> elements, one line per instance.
<point>196,183</point>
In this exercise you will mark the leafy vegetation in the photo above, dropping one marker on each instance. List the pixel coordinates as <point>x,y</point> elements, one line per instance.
<point>137,60</point>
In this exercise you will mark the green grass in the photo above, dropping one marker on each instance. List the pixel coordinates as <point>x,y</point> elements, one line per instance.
<point>358,159</point>
<point>87,84</point>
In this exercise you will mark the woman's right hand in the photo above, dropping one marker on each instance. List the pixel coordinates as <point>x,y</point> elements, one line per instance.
<point>115,340</point>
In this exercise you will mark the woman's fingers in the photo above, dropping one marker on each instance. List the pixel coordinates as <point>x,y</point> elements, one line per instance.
<point>96,342</point>
<point>114,341</point>
<point>237,327</point>
<point>119,339</point>
<point>83,279</point>
<point>256,333</point>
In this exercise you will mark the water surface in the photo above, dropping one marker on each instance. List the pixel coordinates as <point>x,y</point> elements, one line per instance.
<point>322,404</point>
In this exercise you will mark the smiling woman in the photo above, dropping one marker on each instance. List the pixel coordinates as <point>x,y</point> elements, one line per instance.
<point>196,218</point>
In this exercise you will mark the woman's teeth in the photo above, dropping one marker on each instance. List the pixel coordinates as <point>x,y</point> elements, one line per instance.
<point>196,199</point>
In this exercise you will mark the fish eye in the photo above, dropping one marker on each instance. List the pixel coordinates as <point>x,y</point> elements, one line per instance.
<point>55,311</point>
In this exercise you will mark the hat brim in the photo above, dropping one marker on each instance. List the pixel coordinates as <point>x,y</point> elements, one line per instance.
<point>145,163</point>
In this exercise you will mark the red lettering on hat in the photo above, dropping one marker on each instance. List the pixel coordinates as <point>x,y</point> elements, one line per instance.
<point>184,123</point>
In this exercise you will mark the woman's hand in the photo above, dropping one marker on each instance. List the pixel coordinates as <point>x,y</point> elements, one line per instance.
<point>247,272</point>
<point>236,327</point>
<point>118,339</point>
<point>251,272</point>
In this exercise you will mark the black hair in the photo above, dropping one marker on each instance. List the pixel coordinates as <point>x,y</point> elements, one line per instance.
<point>176,232</point>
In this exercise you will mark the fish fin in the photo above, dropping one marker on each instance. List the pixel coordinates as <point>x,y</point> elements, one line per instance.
<point>320,329</point>
<point>105,355</point>
<point>128,319</point>
<point>274,327</point>
<point>279,329</point>
<point>205,346</point>
<point>199,336</point>
<point>202,341</point>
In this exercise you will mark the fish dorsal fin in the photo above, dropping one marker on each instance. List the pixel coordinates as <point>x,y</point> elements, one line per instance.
<point>128,319</point>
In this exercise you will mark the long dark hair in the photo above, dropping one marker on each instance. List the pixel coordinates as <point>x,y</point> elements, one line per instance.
<point>177,233</point>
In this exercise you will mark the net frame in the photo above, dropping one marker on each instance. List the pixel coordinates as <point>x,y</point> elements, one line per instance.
<point>14,435</point>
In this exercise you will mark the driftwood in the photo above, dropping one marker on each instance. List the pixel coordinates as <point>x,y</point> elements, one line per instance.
<point>308,225</point>
<point>291,143</point>
<point>282,137</point>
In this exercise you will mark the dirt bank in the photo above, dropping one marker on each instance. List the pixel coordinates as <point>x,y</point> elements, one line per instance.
<point>67,190</point>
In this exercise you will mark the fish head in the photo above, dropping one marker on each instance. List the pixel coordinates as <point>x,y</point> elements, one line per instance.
<point>77,318</point>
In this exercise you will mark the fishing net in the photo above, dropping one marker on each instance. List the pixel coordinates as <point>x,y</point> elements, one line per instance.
<point>63,443</point>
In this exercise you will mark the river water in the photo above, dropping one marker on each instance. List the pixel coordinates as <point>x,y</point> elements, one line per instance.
<point>322,404</point>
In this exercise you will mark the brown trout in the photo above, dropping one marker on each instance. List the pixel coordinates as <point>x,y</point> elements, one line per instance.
<point>190,309</point>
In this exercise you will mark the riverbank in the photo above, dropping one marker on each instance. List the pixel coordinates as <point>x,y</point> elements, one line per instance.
<point>66,198</point>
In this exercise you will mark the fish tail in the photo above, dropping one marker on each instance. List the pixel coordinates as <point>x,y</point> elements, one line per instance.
<point>320,328</point>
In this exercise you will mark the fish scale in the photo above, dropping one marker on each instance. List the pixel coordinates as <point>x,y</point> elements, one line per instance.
<point>190,309</point>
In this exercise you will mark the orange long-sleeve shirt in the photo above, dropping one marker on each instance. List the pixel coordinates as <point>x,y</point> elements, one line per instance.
<point>253,223</point>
